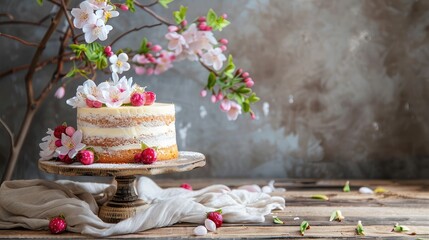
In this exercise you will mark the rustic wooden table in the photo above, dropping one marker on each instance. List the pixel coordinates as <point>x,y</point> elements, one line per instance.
<point>406,203</point>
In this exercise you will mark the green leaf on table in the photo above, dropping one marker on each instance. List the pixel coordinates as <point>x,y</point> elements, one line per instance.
<point>180,15</point>
<point>337,216</point>
<point>399,228</point>
<point>130,5</point>
<point>303,227</point>
<point>320,196</point>
<point>276,220</point>
<point>359,228</point>
<point>346,187</point>
<point>40,2</point>
<point>165,3</point>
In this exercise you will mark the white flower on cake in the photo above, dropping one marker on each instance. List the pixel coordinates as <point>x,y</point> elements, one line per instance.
<point>71,145</point>
<point>213,57</point>
<point>106,13</point>
<point>79,100</point>
<point>96,31</point>
<point>119,63</point>
<point>48,146</point>
<point>176,41</point>
<point>98,4</point>
<point>83,15</point>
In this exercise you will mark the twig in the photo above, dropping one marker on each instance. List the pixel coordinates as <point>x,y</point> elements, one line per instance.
<point>152,13</point>
<point>134,30</point>
<point>19,40</point>
<point>55,2</point>
<point>151,4</point>
<point>63,7</point>
<point>77,36</point>
<point>8,15</point>
<point>8,131</point>
<point>39,65</point>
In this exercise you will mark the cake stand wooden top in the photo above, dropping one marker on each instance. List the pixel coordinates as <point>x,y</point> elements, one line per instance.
<point>185,162</point>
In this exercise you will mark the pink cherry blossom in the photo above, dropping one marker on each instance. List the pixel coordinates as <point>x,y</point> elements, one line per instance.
<point>173,28</point>
<point>176,42</point>
<point>71,145</point>
<point>225,105</point>
<point>213,57</point>
<point>164,63</point>
<point>234,111</point>
<point>98,4</point>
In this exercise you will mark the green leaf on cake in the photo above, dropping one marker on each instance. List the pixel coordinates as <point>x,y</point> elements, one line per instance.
<point>165,3</point>
<point>144,146</point>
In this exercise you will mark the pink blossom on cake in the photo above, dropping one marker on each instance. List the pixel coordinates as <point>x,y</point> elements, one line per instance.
<point>71,145</point>
<point>48,146</point>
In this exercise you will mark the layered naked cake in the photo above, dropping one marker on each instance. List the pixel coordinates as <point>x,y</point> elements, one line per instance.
<point>116,134</point>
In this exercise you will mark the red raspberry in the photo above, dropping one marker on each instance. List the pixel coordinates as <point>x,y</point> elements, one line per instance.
<point>86,157</point>
<point>150,98</point>
<point>138,99</point>
<point>186,186</point>
<point>216,217</point>
<point>57,225</point>
<point>59,130</point>
<point>137,157</point>
<point>148,156</point>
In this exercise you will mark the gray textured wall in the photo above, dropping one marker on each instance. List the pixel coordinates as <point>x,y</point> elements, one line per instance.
<point>344,87</point>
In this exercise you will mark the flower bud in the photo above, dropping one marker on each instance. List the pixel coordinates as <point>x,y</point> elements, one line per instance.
<point>123,7</point>
<point>202,19</point>
<point>149,71</point>
<point>58,143</point>
<point>224,16</point>
<point>224,41</point>
<point>97,104</point>
<point>238,72</point>
<point>60,92</point>
<point>219,96</point>
<point>70,130</point>
<point>252,115</point>
<point>245,75</point>
<point>156,48</point>
<point>148,44</point>
<point>213,98</point>
<point>203,93</point>
<point>184,23</point>
<point>223,48</point>
<point>249,82</point>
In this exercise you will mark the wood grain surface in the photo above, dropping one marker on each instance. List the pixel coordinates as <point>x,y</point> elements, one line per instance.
<point>405,202</point>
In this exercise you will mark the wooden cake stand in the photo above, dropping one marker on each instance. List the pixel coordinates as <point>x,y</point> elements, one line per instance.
<point>125,203</point>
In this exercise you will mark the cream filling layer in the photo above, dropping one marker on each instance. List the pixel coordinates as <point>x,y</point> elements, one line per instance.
<point>156,109</point>
<point>160,144</point>
<point>127,132</point>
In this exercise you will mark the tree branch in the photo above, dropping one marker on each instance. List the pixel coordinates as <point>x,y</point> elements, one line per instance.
<point>208,68</point>
<point>8,15</point>
<point>152,13</point>
<point>19,40</point>
<point>134,30</point>
<point>8,131</point>
<point>151,4</point>
<point>36,57</point>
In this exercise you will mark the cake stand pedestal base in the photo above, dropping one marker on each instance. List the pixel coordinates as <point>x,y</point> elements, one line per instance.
<point>125,203</point>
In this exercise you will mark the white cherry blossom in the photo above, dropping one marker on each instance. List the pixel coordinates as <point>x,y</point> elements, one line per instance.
<point>98,4</point>
<point>71,145</point>
<point>91,91</point>
<point>79,99</point>
<point>96,31</point>
<point>83,15</point>
<point>106,13</point>
<point>214,57</point>
<point>119,63</point>
<point>48,146</point>
<point>113,96</point>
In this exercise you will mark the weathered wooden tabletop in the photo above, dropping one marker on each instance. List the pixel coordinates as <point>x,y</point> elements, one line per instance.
<point>405,202</point>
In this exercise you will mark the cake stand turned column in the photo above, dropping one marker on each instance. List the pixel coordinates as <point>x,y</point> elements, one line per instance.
<point>124,204</point>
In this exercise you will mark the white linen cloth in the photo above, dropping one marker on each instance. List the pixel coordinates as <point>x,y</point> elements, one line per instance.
<point>30,204</point>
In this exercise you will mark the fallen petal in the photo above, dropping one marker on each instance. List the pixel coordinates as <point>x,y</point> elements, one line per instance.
<point>366,190</point>
<point>200,230</point>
